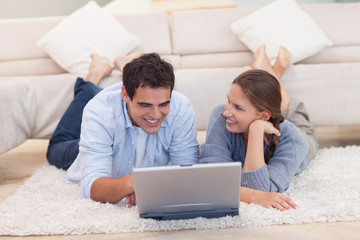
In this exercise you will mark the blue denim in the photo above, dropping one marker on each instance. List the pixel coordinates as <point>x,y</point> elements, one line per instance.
<point>64,144</point>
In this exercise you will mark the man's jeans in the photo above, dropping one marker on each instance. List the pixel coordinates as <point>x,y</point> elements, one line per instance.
<point>64,144</point>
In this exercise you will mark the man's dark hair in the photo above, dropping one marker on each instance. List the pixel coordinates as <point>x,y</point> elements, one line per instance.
<point>148,70</point>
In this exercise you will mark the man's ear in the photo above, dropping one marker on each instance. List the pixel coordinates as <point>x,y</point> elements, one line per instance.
<point>125,95</point>
<point>265,115</point>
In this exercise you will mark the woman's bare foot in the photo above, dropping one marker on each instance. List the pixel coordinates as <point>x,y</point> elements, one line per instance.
<point>98,69</point>
<point>121,61</point>
<point>282,62</point>
<point>261,61</point>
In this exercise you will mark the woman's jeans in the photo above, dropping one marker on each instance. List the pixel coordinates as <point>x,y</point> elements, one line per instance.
<point>64,144</point>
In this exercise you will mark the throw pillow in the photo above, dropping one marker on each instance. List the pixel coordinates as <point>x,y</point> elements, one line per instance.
<point>282,22</point>
<point>87,30</point>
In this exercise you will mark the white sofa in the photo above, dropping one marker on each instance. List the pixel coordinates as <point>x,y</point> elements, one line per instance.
<point>206,54</point>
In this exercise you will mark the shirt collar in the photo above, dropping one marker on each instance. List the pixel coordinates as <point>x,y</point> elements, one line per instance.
<point>128,123</point>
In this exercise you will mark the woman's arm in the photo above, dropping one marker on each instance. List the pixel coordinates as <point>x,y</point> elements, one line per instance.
<point>266,199</point>
<point>219,141</point>
<point>289,158</point>
<point>255,144</point>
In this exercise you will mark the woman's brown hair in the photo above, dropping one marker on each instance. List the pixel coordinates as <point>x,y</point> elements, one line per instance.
<point>263,91</point>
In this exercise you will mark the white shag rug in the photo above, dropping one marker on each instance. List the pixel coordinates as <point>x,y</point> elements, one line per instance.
<point>328,191</point>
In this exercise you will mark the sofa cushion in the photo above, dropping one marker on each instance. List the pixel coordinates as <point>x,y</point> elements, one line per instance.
<point>206,31</point>
<point>25,32</point>
<point>281,23</point>
<point>337,54</point>
<point>19,37</point>
<point>338,21</point>
<point>29,67</point>
<point>87,30</point>
<point>36,105</point>
<point>206,88</point>
<point>326,89</point>
<point>217,60</point>
<point>153,30</point>
<point>18,112</point>
<point>330,91</point>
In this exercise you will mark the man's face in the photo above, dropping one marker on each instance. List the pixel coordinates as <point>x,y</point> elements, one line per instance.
<point>148,108</point>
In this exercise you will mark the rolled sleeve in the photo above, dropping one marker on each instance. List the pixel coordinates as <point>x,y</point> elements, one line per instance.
<point>289,159</point>
<point>256,179</point>
<point>218,145</point>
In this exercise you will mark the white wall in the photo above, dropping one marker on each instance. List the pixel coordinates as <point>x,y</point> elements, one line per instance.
<point>257,3</point>
<point>41,8</point>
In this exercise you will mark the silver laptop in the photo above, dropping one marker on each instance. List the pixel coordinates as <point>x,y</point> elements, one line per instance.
<point>189,191</point>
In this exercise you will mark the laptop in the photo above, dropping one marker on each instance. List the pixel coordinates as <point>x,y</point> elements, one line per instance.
<point>188,191</point>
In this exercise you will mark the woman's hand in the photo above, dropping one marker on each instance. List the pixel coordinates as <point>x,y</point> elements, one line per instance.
<point>257,135</point>
<point>267,199</point>
<point>274,200</point>
<point>266,127</point>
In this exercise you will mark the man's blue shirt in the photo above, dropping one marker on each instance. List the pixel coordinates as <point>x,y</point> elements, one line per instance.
<point>108,138</point>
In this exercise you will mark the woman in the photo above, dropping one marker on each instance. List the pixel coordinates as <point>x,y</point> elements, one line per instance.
<point>251,129</point>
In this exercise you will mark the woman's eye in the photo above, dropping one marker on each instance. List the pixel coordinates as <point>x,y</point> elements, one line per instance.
<point>238,108</point>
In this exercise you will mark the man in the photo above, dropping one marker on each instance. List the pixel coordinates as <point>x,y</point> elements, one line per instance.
<point>141,122</point>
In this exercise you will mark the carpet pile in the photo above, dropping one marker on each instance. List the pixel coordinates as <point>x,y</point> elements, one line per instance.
<point>328,191</point>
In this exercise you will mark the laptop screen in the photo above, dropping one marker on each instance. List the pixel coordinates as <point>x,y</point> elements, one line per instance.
<point>191,188</point>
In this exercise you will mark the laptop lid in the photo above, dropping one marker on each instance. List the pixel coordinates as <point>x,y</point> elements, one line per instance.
<point>176,192</point>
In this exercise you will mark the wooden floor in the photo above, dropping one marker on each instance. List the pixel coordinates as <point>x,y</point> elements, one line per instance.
<point>18,164</point>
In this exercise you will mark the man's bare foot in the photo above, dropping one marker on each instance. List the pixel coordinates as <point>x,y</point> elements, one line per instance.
<point>282,62</point>
<point>121,61</point>
<point>98,69</point>
<point>261,61</point>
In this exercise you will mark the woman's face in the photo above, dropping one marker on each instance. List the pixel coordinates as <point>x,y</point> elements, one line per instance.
<point>239,111</point>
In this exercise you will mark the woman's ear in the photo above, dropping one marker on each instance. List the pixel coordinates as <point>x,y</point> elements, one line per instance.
<point>125,95</point>
<point>265,115</point>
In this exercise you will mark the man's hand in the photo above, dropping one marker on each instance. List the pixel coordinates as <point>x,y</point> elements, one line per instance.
<point>131,199</point>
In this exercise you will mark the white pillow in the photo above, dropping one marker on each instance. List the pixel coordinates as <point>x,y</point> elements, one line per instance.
<point>282,22</point>
<point>87,30</point>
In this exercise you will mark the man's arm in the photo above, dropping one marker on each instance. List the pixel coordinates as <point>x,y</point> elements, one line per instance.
<point>107,189</point>
<point>96,155</point>
<point>184,148</point>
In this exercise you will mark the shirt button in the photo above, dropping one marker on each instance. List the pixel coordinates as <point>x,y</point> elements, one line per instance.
<point>129,162</point>
<point>132,143</point>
